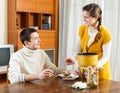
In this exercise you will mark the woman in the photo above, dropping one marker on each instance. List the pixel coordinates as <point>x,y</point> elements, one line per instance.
<point>94,37</point>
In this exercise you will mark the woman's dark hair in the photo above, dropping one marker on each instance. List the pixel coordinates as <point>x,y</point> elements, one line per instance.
<point>95,11</point>
<point>25,34</point>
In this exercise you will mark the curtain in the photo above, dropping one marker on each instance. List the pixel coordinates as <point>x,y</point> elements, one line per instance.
<point>3,22</point>
<point>70,18</point>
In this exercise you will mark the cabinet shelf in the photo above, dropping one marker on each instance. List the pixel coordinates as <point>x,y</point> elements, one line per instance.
<point>39,20</point>
<point>22,20</point>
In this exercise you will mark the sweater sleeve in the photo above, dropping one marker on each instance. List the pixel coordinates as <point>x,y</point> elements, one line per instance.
<point>14,73</point>
<point>49,65</point>
<point>106,54</point>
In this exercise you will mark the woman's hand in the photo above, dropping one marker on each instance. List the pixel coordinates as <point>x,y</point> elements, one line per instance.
<point>46,73</point>
<point>69,61</point>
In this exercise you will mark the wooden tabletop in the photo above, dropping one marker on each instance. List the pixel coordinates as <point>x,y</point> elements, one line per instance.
<point>58,85</point>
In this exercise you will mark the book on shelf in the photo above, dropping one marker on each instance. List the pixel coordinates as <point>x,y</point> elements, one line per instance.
<point>46,22</point>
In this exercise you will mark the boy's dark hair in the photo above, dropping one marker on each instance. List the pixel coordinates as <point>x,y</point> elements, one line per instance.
<point>25,34</point>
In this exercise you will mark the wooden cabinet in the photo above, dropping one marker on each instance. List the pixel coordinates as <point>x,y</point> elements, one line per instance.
<point>41,14</point>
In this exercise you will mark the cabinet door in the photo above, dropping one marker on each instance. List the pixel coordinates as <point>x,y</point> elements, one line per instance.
<point>45,6</point>
<point>47,39</point>
<point>26,5</point>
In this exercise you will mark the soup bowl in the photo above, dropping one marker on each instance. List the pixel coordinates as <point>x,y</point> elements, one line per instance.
<point>87,59</point>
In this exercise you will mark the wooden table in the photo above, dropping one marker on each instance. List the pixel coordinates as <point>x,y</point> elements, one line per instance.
<point>58,85</point>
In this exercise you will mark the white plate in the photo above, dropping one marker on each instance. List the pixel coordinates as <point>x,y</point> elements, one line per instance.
<point>61,75</point>
<point>73,77</point>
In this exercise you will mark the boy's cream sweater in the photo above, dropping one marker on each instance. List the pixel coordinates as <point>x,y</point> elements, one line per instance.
<point>29,62</point>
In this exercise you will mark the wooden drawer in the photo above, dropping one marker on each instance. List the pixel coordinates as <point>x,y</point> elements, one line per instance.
<point>26,5</point>
<point>47,39</point>
<point>45,6</point>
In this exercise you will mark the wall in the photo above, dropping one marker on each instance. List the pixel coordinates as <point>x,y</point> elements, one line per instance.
<point>3,22</point>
